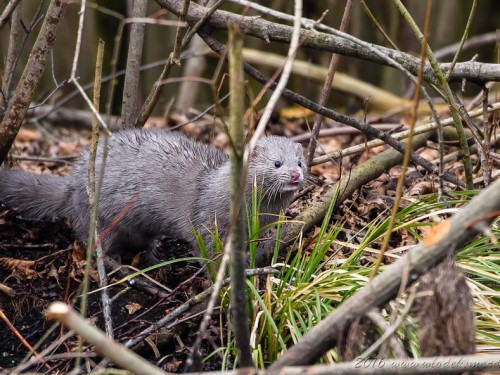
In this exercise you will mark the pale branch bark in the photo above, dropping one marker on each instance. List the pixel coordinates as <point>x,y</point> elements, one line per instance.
<point>105,346</point>
<point>12,50</point>
<point>67,116</point>
<point>273,32</point>
<point>401,135</point>
<point>471,42</point>
<point>171,318</point>
<point>452,233</point>
<point>130,98</point>
<point>8,10</point>
<point>31,76</point>
<point>326,112</point>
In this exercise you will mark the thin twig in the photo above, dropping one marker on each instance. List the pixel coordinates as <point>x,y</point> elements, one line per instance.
<point>10,59</point>
<point>94,204</point>
<point>393,328</point>
<point>472,42</point>
<point>377,25</point>
<point>396,346</point>
<point>406,159</point>
<point>154,94</point>
<point>32,74</point>
<point>445,87</point>
<point>131,84</point>
<point>8,10</point>
<point>327,87</point>
<point>43,354</point>
<point>462,41</point>
<point>178,311</point>
<point>401,135</point>
<point>103,345</point>
<point>19,336</point>
<point>179,45</point>
<point>73,79</point>
<point>285,74</point>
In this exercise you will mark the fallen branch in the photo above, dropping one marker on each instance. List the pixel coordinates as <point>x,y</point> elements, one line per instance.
<point>427,365</point>
<point>31,76</point>
<point>455,232</point>
<point>105,346</point>
<point>346,186</point>
<point>270,31</point>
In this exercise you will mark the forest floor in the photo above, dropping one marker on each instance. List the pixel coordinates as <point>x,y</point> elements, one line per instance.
<point>41,262</point>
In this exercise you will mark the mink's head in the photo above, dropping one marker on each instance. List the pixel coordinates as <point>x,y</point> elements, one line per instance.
<point>278,165</point>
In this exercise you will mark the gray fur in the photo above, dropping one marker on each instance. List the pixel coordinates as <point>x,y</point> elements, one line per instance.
<point>178,184</point>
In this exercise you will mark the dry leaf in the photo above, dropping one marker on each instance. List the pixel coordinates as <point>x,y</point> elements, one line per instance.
<point>28,135</point>
<point>68,148</point>
<point>373,205</point>
<point>22,269</point>
<point>54,273</point>
<point>133,307</point>
<point>173,365</point>
<point>79,253</point>
<point>421,188</point>
<point>295,112</point>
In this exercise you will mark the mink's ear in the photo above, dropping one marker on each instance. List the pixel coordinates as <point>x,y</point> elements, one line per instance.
<point>300,150</point>
<point>258,150</point>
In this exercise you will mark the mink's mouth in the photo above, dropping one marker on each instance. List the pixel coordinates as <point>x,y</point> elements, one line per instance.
<point>294,185</point>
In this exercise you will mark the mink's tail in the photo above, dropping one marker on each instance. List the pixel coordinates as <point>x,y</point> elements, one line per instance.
<point>37,196</point>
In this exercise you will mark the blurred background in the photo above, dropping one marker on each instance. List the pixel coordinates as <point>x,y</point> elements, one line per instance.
<point>104,19</point>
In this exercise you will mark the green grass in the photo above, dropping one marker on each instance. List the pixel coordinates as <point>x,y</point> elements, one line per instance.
<point>312,284</point>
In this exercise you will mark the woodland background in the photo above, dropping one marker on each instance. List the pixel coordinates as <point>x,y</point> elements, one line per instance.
<point>449,18</point>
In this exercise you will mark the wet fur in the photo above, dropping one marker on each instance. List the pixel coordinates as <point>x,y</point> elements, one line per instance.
<point>177,184</point>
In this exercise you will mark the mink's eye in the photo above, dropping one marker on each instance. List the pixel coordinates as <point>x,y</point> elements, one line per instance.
<point>277,164</point>
<point>299,164</point>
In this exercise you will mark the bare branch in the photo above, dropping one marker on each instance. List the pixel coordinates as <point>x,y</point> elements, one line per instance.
<point>8,10</point>
<point>31,76</point>
<point>105,346</point>
<point>457,230</point>
<point>327,87</point>
<point>270,31</point>
<point>134,55</point>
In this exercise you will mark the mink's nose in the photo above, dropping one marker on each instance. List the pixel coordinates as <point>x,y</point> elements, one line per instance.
<point>295,176</point>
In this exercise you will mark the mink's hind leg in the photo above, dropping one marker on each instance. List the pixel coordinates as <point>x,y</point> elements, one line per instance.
<point>122,248</point>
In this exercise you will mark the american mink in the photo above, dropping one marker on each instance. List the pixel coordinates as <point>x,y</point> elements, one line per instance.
<point>164,182</point>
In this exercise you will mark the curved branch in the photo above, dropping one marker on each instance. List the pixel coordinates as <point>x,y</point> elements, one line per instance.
<point>270,31</point>
<point>326,112</point>
<point>460,229</point>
